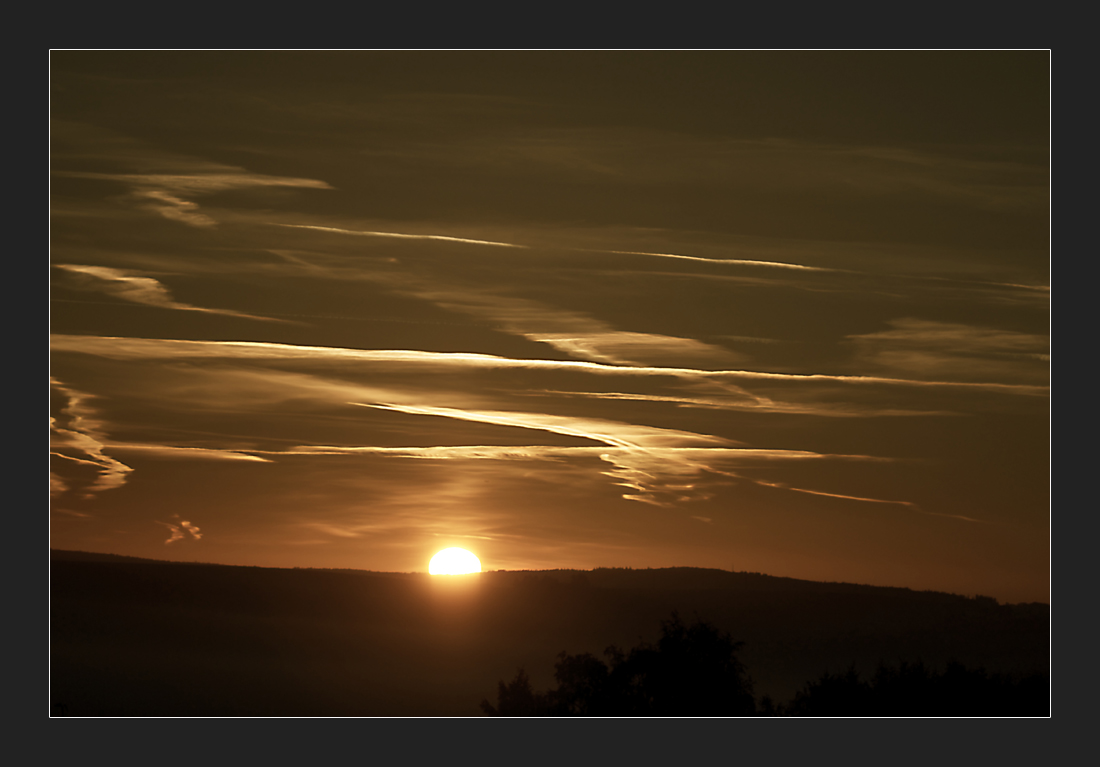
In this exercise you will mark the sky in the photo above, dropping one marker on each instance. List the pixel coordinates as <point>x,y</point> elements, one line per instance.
<point>770,311</point>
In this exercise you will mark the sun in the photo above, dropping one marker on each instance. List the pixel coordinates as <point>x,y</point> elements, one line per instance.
<point>454,562</point>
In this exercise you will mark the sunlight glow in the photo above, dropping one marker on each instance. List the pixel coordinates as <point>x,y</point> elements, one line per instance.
<point>454,561</point>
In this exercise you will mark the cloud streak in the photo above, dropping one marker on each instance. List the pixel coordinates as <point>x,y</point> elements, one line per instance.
<point>402,236</point>
<point>138,289</point>
<point>928,348</point>
<point>83,434</point>
<point>907,504</point>
<point>640,465</point>
<point>168,194</point>
<point>747,401</point>
<point>164,183</point>
<point>116,347</point>
<point>735,261</point>
<point>661,476</point>
<point>186,452</point>
<point>657,466</point>
<point>612,433</point>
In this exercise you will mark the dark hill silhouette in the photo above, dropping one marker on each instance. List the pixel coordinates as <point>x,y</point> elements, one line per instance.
<point>134,637</point>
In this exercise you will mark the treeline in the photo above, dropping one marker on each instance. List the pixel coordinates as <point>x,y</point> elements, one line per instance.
<point>693,670</point>
<point>912,689</point>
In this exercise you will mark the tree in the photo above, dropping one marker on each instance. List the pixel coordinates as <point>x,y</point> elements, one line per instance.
<point>913,689</point>
<point>691,671</point>
<point>517,699</point>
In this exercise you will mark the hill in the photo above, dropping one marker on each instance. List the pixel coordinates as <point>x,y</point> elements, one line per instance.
<point>148,638</point>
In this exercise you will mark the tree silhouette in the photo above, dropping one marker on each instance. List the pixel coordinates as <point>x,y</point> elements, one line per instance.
<point>517,699</point>
<point>912,689</point>
<point>691,671</point>
<point>694,671</point>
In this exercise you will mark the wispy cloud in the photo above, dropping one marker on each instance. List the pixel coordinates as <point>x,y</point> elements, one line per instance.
<point>577,334</point>
<point>650,474</point>
<point>162,182</point>
<point>925,348</point>
<point>186,452</point>
<point>658,466</point>
<point>79,436</point>
<point>57,485</point>
<point>328,528</point>
<point>179,532</point>
<point>883,267</point>
<point>616,347</point>
<point>907,504</point>
<point>133,287</point>
<point>79,431</point>
<point>403,236</point>
<point>743,400</point>
<point>115,347</point>
<point>168,194</point>
<point>735,261</point>
<point>659,475</point>
<point>613,433</point>
<point>655,465</point>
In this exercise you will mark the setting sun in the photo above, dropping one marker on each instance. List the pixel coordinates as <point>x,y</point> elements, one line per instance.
<point>454,562</point>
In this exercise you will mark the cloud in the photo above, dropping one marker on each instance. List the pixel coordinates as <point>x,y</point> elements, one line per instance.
<point>58,486</point>
<point>859,280</point>
<point>741,456</point>
<point>613,433</point>
<point>398,235</point>
<point>178,532</point>
<point>577,334</point>
<point>129,286</point>
<point>654,465</point>
<point>172,207</point>
<point>159,181</point>
<point>115,347</point>
<point>736,261</point>
<point>882,267</point>
<point>79,437</point>
<point>747,401</point>
<point>660,476</point>
<point>331,529</point>
<point>648,472</point>
<point>78,430</point>
<point>184,452</point>
<point>908,504</point>
<point>574,333</point>
<point>658,466</point>
<point>167,194</point>
<point>175,533</point>
<point>626,348</point>
<point>925,348</point>
<point>71,513</point>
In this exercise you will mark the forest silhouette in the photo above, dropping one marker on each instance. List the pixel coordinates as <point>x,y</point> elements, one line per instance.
<point>913,689</point>
<point>693,671</point>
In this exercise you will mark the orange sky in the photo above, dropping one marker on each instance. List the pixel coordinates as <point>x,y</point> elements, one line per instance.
<point>770,311</point>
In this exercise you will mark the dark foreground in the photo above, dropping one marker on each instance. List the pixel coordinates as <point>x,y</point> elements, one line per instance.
<point>694,670</point>
<point>141,638</point>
